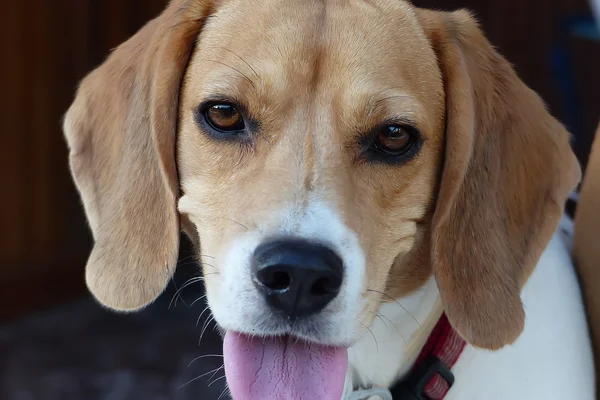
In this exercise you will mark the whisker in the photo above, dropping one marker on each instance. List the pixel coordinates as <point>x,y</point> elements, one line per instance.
<point>206,324</point>
<point>176,291</point>
<point>192,280</point>
<point>193,260</point>
<point>212,371</point>
<point>374,338</point>
<point>189,282</point>
<point>199,377</point>
<point>204,356</point>
<point>179,292</point>
<point>197,300</point>
<point>200,317</point>
<point>223,393</point>
<point>187,263</point>
<point>397,302</point>
<point>218,369</point>
<point>381,316</point>
<point>244,61</point>
<point>218,379</point>
<point>382,320</point>
<point>237,222</point>
<point>188,258</point>
<point>235,69</point>
<point>190,381</point>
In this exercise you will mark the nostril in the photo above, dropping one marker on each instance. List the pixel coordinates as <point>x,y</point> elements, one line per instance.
<point>275,279</point>
<point>280,280</point>
<point>324,286</point>
<point>296,277</point>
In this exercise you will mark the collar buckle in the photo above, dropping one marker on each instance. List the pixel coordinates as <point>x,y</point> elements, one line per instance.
<point>413,387</point>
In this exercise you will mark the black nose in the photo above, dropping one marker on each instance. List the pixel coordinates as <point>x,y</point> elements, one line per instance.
<point>297,277</point>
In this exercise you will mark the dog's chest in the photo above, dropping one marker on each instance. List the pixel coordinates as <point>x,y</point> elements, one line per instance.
<point>395,338</point>
<point>552,359</point>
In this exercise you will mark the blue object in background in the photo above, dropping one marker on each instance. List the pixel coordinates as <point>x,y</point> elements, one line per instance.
<point>577,26</point>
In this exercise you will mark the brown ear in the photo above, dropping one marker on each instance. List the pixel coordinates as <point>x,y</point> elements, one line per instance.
<point>121,134</point>
<point>507,173</point>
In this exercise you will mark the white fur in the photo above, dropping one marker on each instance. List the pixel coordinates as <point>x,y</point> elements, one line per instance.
<point>377,359</point>
<point>238,306</point>
<point>551,360</point>
<point>553,357</point>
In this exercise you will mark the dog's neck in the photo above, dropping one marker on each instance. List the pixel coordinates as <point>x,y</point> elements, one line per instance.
<point>398,334</point>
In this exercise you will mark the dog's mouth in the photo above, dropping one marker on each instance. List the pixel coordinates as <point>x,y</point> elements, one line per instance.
<point>283,367</point>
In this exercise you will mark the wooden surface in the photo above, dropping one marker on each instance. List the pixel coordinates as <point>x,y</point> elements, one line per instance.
<point>49,45</point>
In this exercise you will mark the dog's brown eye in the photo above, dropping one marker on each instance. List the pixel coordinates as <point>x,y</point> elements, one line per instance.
<point>225,118</point>
<point>394,140</point>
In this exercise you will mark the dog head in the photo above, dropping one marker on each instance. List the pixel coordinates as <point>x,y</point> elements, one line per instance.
<point>325,157</point>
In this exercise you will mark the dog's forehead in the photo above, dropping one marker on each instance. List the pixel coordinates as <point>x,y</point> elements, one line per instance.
<point>279,46</point>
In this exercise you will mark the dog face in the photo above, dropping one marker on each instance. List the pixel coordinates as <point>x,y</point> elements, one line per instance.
<point>339,146</point>
<point>367,145</point>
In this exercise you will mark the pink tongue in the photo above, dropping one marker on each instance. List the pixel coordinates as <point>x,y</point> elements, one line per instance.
<point>281,369</point>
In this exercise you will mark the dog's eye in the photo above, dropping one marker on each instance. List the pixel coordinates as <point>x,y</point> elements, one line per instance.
<point>394,140</point>
<point>224,117</point>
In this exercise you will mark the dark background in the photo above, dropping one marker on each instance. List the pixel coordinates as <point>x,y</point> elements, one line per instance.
<point>47,47</point>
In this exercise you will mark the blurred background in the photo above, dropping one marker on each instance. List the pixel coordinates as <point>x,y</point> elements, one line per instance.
<point>55,342</point>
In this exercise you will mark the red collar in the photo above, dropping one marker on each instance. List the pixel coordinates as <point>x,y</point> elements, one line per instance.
<point>430,377</point>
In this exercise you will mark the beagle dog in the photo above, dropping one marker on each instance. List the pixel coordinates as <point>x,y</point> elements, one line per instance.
<point>349,171</point>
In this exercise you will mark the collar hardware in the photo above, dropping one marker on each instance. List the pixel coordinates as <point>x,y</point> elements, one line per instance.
<point>431,377</point>
<point>413,387</point>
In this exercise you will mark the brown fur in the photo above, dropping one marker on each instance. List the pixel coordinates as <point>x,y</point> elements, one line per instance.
<point>316,74</point>
<point>587,249</point>
<point>509,168</point>
<point>121,132</point>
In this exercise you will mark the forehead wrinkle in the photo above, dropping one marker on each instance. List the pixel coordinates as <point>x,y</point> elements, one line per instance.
<point>225,85</point>
<point>365,59</point>
<point>279,51</point>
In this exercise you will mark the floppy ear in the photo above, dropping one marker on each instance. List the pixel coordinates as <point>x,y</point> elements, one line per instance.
<point>121,134</point>
<point>507,173</point>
